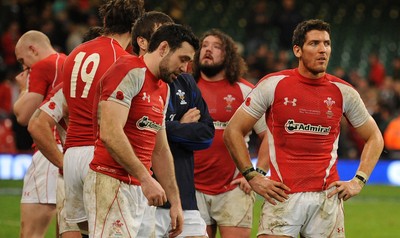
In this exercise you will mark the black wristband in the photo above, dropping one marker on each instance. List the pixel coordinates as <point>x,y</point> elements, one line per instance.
<point>261,171</point>
<point>361,178</point>
<point>247,171</point>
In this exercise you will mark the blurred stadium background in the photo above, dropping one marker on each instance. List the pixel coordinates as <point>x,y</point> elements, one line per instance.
<point>365,52</point>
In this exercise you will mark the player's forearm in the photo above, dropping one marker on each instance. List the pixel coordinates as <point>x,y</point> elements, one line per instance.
<point>121,150</point>
<point>371,153</point>
<point>373,147</point>
<point>21,112</point>
<point>263,155</point>
<point>235,143</point>
<point>45,142</point>
<point>163,168</point>
<point>41,131</point>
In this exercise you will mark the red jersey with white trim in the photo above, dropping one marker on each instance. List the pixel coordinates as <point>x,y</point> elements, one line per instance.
<point>131,84</point>
<point>46,74</point>
<point>83,68</point>
<point>303,119</point>
<point>214,168</point>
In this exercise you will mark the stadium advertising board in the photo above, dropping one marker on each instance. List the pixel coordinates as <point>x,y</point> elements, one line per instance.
<point>13,167</point>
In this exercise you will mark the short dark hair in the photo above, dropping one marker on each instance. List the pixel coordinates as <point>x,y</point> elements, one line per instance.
<point>234,64</point>
<point>299,34</point>
<point>144,26</point>
<point>119,15</point>
<point>175,35</point>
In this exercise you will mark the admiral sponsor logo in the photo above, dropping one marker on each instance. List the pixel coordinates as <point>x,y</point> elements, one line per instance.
<point>145,124</point>
<point>292,127</point>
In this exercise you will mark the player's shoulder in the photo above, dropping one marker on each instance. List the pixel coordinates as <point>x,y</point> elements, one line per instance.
<point>245,82</point>
<point>130,61</point>
<point>276,76</point>
<point>48,62</point>
<point>334,79</point>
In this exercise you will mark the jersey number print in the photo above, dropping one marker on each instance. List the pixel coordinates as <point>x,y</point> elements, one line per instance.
<point>93,61</point>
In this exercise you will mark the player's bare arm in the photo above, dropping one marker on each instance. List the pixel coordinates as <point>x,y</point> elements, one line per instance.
<point>27,102</point>
<point>41,129</point>
<point>113,117</point>
<point>239,125</point>
<point>263,154</point>
<point>163,168</point>
<point>262,166</point>
<point>373,147</point>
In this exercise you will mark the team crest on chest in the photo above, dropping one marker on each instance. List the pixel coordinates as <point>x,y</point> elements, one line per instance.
<point>329,103</point>
<point>229,100</point>
<point>181,96</point>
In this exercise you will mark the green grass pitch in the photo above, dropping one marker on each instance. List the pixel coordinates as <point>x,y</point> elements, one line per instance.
<point>375,213</point>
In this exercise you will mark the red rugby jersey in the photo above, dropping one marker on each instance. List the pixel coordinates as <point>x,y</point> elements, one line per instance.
<point>214,167</point>
<point>131,84</point>
<point>83,68</point>
<point>303,120</point>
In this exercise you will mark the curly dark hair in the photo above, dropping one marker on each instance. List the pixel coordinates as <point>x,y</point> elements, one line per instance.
<point>299,34</point>
<point>234,65</point>
<point>119,15</point>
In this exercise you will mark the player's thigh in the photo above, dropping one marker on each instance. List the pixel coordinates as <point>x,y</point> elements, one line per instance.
<point>113,207</point>
<point>76,166</point>
<point>233,208</point>
<point>234,231</point>
<point>40,181</point>
<point>147,227</point>
<point>203,204</point>
<point>193,224</point>
<point>310,214</point>
<point>63,225</point>
<point>327,220</point>
<point>37,215</point>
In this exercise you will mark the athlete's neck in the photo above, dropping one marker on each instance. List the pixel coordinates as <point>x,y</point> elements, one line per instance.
<point>123,39</point>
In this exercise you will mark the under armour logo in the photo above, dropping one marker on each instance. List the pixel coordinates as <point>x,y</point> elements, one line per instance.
<point>293,102</point>
<point>340,230</point>
<point>145,96</point>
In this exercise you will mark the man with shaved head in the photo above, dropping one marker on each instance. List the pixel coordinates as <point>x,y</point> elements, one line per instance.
<point>41,69</point>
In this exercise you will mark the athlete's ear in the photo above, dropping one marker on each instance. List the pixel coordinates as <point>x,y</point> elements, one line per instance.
<point>33,49</point>
<point>143,43</point>
<point>163,48</point>
<point>297,51</point>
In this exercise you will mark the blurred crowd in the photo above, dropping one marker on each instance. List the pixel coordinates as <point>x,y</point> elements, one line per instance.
<point>65,22</point>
